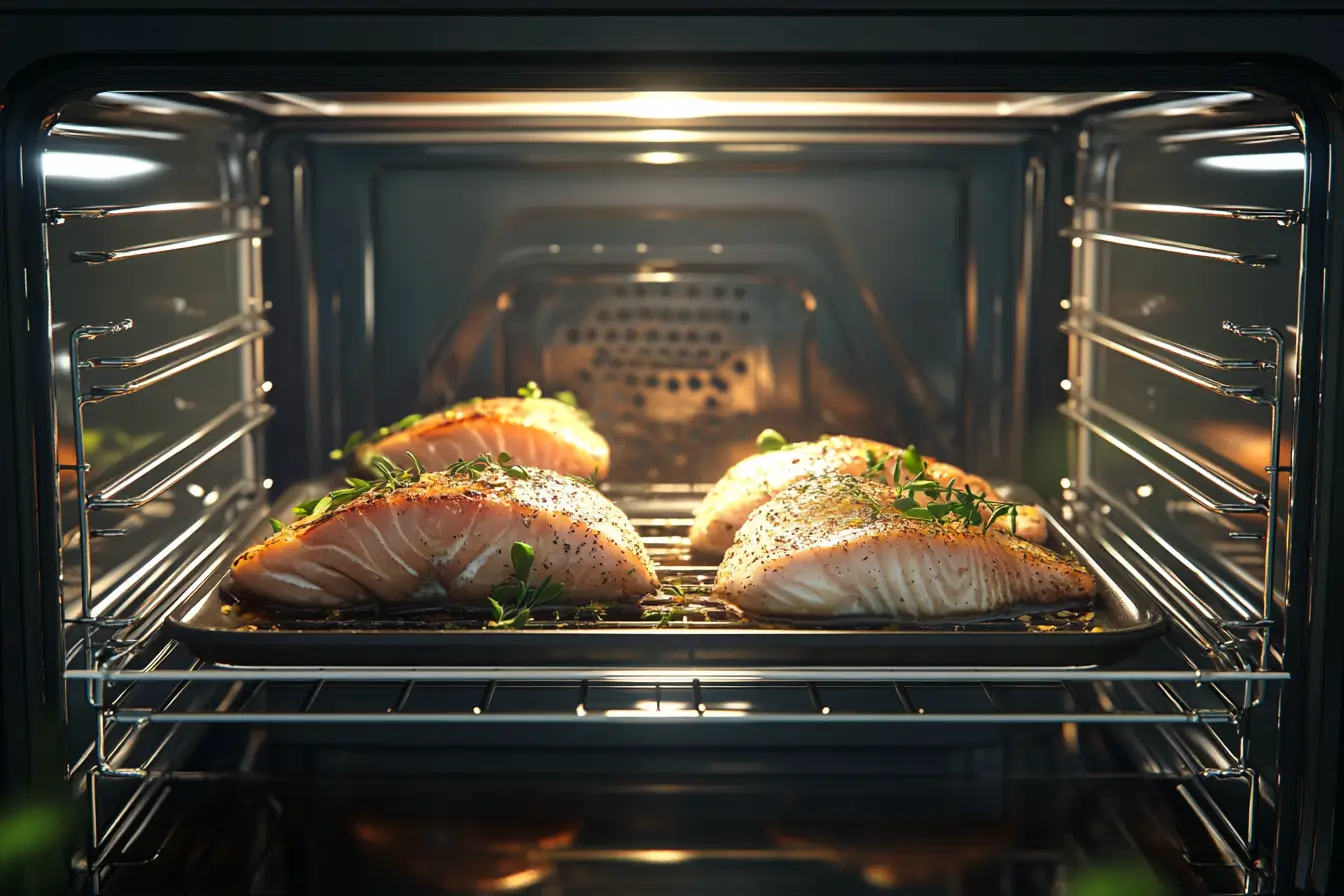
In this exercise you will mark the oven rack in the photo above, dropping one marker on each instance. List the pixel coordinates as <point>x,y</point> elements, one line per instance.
<point>1244,628</point>
<point>1223,610</point>
<point>116,613</point>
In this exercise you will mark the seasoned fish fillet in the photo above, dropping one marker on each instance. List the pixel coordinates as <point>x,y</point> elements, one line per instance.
<point>446,539</point>
<point>751,482</point>
<point>833,545</point>
<point>537,432</point>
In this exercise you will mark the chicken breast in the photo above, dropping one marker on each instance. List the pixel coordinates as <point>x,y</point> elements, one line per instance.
<point>833,545</point>
<point>537,432</point>
<point>446,539</point>
<point>751,482</point>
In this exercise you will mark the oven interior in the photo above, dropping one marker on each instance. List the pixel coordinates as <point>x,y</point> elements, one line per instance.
<point>1096,295</point>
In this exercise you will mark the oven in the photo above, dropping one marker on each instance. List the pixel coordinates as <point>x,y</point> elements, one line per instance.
<point>1091,257</point>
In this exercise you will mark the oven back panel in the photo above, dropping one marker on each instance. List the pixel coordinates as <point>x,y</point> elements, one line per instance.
<point>825,288</point>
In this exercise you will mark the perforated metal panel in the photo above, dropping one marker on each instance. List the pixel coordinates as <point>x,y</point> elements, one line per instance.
<point>680,371</point>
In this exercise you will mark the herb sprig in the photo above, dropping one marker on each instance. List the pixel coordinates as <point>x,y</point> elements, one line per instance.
<point>943,502</point>
<point>666,617</point>
<point>357,438</point>
<point>512,603</point>
<point>482,464</point>
<point>388,477</point>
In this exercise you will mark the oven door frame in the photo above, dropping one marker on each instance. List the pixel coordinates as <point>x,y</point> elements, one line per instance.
<point>932,54</point>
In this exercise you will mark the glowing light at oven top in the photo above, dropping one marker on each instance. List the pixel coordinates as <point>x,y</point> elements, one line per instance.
<point>661,158</point>
<point>1261,161</point>
<point>94,166</point>
<point>666,105</point>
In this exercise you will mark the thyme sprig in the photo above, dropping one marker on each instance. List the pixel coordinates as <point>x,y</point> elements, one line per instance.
<point>943,502</point>
<point>388,477</point>
<point>482,464</point>
<point>512,603</point>
<point>666,617</point>
<point>590,481</point>
<point>358,437</point>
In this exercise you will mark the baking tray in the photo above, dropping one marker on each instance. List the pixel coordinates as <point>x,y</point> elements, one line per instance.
<point>713,637</point>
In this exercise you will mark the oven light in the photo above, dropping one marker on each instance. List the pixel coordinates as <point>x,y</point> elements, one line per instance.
<point>1261,161</point>
<point>661,158</point>
<point>665,105</point>
<point>661,856</point>
<point>94,166</point>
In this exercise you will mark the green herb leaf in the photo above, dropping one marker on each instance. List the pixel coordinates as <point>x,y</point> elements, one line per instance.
<point>912,461</point>
<point>352,441</point>
<point>590,481</point>
<point>531,390</point>
<point>521,555</point>
<point>388,477</point>
<point>550,593</point>
<point>505,457</point>
<point>770,440</point>
<point>567,397</point>
<point>277,526</point>
<point>406,422</point>
<point>496,608</point>
<point>417,468</point>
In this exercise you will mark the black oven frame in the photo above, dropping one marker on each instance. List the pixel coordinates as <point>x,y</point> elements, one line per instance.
<point>32,684</point>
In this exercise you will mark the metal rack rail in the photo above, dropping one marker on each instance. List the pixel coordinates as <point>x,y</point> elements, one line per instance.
<point>1174,247</point>
<point>103,256</point>
<point>1284,217</point>
<point>1213,606</point>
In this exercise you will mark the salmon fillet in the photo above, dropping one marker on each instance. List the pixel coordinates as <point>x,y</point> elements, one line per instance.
<point>832,545</point>
<point>751,482</point>
<point>446,539</point>
<point>537,432</point>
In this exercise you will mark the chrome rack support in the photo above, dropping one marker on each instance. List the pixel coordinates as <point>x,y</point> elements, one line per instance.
<point>1284,217</point>
<point>1247,501</point>
<point>254,329</point>
<point>59,215</point>
<point>1170,246</point>
<point>102,256</point>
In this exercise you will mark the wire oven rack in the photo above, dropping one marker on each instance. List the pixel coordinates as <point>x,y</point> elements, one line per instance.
<point>138,684</point>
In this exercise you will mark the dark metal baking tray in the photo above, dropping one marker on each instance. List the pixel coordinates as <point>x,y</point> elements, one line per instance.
<point>1118,627</point>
